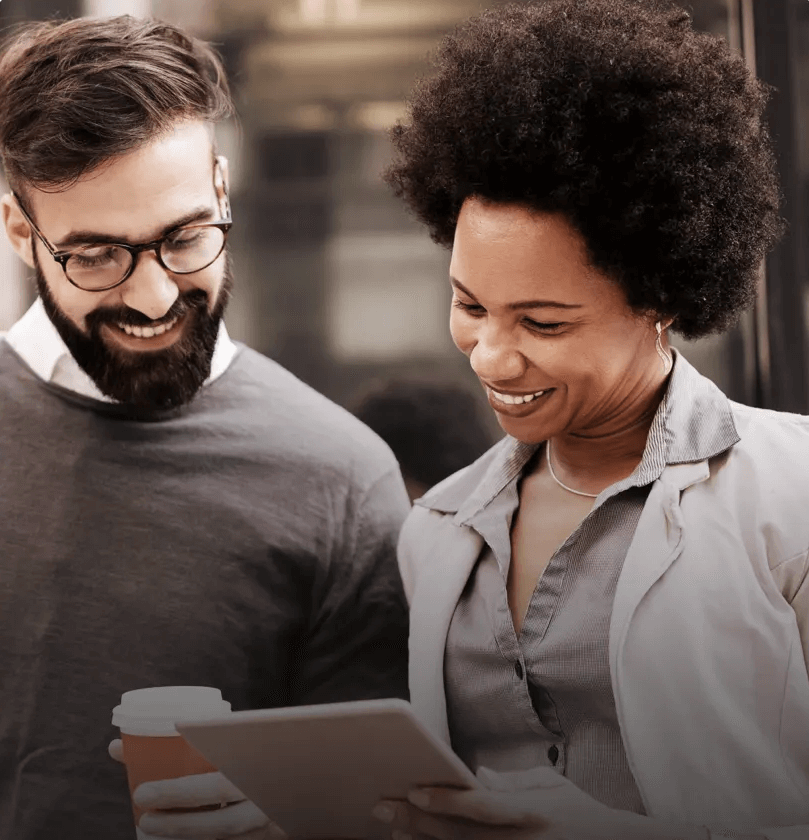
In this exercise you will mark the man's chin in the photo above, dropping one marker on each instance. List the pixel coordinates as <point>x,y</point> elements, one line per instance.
<point>155,379</point>
<point>145,373</point>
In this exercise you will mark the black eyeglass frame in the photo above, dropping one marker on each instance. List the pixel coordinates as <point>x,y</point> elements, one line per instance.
<point>135,250</point>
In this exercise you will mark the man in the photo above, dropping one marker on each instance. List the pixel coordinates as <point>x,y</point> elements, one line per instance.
<point>177,509</point>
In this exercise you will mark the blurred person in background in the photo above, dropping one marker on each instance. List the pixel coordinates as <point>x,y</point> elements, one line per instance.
<point>177,509</point>
<point>433,428</point>
<point>609,610</point>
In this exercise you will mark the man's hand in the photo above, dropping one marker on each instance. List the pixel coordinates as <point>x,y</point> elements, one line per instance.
<point>236,819</point>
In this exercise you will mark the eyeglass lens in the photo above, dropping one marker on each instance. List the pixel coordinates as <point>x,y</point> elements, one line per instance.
<point>184,252</point>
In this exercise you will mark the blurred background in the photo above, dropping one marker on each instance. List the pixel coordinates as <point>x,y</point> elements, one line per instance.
<point>334,280</point>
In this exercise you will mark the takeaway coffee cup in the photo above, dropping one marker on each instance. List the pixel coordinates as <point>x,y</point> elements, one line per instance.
<point>153,749</point>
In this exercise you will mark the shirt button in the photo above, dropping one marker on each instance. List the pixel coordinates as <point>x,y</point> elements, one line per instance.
<point>553,754</point>
<point>518,670</point>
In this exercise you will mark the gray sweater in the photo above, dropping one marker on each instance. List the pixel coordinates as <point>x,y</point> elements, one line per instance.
<point>245,542</point>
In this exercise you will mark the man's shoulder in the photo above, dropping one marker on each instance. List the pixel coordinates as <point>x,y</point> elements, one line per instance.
<point>291,417</point>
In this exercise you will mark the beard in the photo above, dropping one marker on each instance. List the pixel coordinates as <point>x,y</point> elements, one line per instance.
<point>146,381</point>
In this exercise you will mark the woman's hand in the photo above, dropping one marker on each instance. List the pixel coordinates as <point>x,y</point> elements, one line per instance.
<point>553,808</point>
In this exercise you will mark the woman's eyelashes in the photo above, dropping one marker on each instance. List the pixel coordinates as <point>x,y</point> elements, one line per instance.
<point>474,309</point>
<point>477,311</point>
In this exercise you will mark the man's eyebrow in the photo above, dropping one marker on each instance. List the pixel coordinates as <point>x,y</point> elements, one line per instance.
<point>90,237</point>
<point>522,304</point>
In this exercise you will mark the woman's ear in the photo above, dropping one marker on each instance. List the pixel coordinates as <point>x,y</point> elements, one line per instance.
<point>18,230</point>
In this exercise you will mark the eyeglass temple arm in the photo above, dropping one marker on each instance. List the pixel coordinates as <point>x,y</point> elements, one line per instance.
<point>33,226</point>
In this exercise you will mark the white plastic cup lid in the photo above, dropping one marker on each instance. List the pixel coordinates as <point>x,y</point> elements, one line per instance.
<point>153,711</point>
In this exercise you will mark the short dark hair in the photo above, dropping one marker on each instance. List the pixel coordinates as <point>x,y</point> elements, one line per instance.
<point>647,135</point>
<point>433,428</point>
<point>77,93</point>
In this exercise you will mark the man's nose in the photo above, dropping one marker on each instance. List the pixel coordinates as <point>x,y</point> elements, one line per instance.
<point>150,290</point>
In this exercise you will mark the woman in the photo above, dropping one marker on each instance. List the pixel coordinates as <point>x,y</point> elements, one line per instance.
<point>610,609</point>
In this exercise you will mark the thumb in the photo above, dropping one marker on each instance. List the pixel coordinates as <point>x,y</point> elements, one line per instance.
<point>116,750</point>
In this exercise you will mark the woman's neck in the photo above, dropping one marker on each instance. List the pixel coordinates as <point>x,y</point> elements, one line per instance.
<point>594,460</point>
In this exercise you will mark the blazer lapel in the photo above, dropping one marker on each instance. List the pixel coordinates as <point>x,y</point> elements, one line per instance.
<point>657,543</point>
<point>435,597</point>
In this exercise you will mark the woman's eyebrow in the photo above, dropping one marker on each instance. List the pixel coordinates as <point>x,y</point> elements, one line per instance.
<point>522,304</point>
<point>89,237</point>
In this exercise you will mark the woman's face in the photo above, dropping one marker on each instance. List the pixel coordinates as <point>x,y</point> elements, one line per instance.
<point>552,339</point>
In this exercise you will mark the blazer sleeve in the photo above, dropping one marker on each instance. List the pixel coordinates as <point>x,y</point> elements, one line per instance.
<point>407,551</point>
<point>792,577</point>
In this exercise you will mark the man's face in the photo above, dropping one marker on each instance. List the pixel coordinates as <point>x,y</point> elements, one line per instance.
<point>137,198</point>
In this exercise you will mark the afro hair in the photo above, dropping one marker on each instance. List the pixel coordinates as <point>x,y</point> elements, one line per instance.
<point>647,135</point>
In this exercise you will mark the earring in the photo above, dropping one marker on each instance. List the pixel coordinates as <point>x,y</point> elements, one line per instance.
<point>668,362</point>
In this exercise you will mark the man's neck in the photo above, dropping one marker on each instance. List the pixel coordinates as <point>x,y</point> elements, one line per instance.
<point>38,343</point>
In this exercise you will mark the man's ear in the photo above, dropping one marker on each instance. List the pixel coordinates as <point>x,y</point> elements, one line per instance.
<point>222,185</point>
<point>18,230</point>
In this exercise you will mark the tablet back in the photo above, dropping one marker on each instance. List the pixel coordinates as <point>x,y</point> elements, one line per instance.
<point>318,771</point>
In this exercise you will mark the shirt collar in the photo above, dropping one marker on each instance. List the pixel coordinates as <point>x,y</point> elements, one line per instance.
<point>694,422</point>
<point>38,343</point>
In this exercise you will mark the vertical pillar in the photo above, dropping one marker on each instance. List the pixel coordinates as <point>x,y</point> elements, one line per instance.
<point>778,24</point>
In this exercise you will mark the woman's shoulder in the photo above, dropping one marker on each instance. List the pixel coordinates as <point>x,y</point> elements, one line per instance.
<point>766,434</point>
<point>762,481</point>
<point>433,516</point>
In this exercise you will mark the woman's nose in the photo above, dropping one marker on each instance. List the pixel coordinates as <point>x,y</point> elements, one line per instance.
<point>495,358</point>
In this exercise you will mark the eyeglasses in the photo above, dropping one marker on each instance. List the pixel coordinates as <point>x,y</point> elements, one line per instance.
<point>98,268</point>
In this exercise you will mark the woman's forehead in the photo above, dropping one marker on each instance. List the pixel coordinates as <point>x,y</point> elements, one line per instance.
<point>511,252</point>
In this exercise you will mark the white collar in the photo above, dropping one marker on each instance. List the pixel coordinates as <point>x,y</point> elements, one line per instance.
<point>37,341</point>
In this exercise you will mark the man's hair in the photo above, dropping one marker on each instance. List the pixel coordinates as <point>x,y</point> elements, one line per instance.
<point>78,93</point>
<point>646,135</point>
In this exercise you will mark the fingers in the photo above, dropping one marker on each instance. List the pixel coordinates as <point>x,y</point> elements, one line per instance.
<point>406,821</point>
<point>270,832</point>
<point>409,823</point>
<point>243,820</point>
<point>116,750</point>
<point>186,792</point>
<point>478,806</point>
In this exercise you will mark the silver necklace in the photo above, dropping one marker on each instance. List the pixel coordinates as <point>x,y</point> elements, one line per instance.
<point>553,476</point>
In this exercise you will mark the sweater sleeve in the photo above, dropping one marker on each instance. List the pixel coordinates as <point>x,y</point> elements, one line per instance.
<point>356,648</point>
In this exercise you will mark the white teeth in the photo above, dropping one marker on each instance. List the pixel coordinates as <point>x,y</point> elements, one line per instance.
<point>516,399</point>
<point>147,332</point>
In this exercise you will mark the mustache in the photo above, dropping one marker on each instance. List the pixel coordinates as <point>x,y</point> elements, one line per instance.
<point>196,299</point>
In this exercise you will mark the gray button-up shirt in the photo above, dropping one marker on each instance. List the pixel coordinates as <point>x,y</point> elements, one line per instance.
<point>545,697</point>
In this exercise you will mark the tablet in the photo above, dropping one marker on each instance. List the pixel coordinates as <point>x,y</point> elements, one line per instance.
<point>318,771</point>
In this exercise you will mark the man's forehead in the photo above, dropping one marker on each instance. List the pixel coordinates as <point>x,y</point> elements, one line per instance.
<point>148,188</point>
